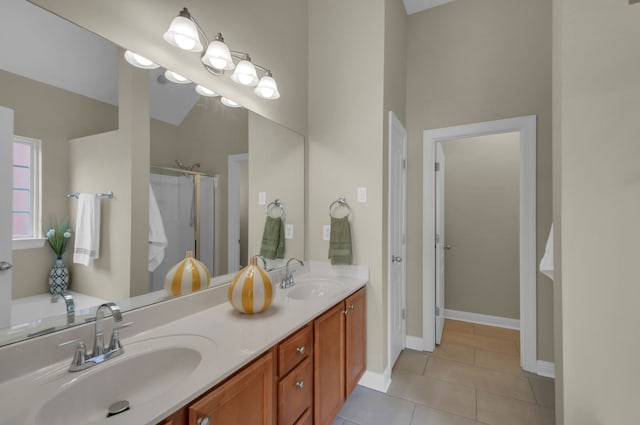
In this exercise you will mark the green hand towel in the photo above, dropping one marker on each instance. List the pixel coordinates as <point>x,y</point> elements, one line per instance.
<point>340,251</point>
<point>273,238</point>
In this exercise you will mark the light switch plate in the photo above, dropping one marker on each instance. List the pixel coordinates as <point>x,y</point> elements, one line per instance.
<point>326,232</point>
<point>362,195</point>
<point>288,231</point>
<point>262,198</point>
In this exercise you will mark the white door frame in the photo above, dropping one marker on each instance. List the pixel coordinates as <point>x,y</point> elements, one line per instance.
<point>526,126</point>
<point>6,184</point>
<point>394,123</point>
<point>233,210</point>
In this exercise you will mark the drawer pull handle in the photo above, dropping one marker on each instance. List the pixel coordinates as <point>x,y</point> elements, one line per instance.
<point>300,384</point>
<point>203,421</point>
<point>301,350</point>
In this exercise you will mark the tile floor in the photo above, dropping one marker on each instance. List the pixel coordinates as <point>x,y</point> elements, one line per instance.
<point>473,378</point>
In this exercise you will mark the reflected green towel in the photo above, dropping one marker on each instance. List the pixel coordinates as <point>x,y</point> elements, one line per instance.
<point>273,238</point>
<point>340,241</point>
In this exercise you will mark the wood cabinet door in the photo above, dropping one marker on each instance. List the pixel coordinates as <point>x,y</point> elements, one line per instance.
<point>355,339</point>
<point>246,398</point>
<point>329,366</point>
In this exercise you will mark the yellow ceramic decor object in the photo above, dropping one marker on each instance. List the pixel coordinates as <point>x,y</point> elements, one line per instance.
<point>251,290</point>
<point>187,276</point>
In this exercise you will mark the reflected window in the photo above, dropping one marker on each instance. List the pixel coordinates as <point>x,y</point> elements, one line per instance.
<point>26,190</point>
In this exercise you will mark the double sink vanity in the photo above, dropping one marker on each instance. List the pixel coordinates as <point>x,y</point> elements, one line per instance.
<point>195,360</point>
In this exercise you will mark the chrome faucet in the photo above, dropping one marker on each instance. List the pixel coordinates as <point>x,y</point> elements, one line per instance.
<point>288,281</point>
<point>101,352</point>
<point>70,306</point>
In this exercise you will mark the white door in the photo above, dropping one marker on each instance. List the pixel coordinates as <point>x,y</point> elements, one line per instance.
<point>397,226</point>
<point>440,242</point>
<point>6,184</point>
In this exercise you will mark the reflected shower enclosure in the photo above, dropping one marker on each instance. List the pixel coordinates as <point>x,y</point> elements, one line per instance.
<point>186,200</point>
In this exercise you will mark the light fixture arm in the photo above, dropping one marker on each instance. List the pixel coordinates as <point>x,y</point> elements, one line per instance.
<point>245,56</point>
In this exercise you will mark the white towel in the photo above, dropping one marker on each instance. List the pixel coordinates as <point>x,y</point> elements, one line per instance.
<point>87,246</point>
<point>546,264</point>
<point>157,236</point>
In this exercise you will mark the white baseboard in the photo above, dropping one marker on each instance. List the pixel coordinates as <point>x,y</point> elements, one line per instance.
<point>547,369</point>
<point>376,381</point>
<point>482,319</point>
<point>414,343</point>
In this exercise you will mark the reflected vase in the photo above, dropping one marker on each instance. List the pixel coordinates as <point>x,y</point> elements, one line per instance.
<point>58,277</point>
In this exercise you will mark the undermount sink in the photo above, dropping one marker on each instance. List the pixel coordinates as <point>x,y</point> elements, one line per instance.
<point>146,370</point>
<point>316,288</point>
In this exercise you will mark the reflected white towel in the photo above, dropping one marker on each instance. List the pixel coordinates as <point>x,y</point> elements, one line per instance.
<point>157,236</point>
<point>546,264</point>
<point>87,246</point>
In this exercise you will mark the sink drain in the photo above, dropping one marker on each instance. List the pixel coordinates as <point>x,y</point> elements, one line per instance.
<point>118,407</point>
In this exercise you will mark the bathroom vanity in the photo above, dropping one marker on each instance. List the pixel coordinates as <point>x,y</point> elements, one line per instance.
<point>295,363</point>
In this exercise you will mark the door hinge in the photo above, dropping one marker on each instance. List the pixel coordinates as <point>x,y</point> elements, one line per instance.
<point>404,314</point>
<point>437,238</point>
<point>404,164</point>
<point>437,166</point>
<point>437,311</point>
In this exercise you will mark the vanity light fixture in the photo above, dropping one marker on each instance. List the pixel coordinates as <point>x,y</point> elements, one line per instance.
<point>202,90</point>
<point>139,61</point>
<point>230,103</point>
<point>174,77</point>
<point>186,33</point>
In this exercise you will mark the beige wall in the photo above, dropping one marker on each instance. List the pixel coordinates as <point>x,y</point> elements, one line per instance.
<point>121,269</point>
<point>481,198</point>
<point>470,61</point>
<point>53,116</point>
<point>345,141</point>
<point>208,135</point>
<point>276,167</point>
<point>597,81</point>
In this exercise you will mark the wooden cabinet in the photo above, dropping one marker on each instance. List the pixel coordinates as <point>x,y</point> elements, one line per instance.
<point>246,398</point>
<point>340,355</point>
<point>355,339</point>
<point>178,418</point>
<point>295,373</point>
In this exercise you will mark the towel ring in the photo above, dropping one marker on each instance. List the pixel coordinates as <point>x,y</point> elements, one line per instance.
<point>276,204</point>
<point>340,202</point>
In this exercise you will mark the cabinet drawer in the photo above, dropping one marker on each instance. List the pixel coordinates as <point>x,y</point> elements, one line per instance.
<point>295,349</point>
<point>295,393</point>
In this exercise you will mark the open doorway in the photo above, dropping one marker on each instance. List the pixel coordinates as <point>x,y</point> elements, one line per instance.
<point>433,244</point>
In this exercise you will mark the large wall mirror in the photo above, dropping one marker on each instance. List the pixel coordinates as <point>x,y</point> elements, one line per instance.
<point>65,85</point>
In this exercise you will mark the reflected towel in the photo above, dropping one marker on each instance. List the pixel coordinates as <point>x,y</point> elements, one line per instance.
<point>273,238</point>
<point>546,264</point>
<point>157,236</point>
<point>340,249</point>
<point>87,245</point>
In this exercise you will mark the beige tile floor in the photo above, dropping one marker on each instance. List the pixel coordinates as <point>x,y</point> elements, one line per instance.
<point>472,378</point>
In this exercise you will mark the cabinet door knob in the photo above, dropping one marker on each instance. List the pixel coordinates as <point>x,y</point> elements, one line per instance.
<point>352,307</point>
<point>301,349</point>
<point>345,312</point>
<point>203,421</point>
<point>300,384</point>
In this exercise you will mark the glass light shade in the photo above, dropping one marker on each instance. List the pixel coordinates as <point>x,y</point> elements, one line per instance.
<point>176,78</point>
<point>267,88</point>
<point>218,56</point>
<point>183,34</point>
<point>139,61</point>
<point>205,91</point>
<point>245,74</point>
<point>230,103</point>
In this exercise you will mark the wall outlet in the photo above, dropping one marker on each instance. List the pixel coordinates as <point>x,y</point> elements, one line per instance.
<point>288,231</point>
<point>262,198</point>
<point>326,232</point>
<point>362,195</point>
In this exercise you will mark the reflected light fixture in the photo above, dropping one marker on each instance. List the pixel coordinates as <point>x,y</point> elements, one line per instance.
<point>186,33</point>
<point>202,90</point>
<point>230,103</point>
<point>174,77</point>
<point>139,61</point>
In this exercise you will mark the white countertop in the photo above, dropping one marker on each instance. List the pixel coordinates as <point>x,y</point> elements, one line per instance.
<point>238,339</point>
